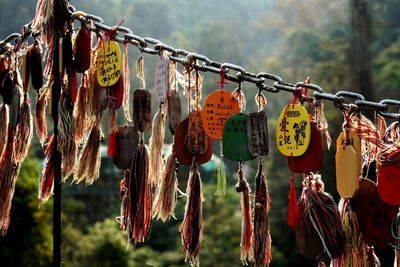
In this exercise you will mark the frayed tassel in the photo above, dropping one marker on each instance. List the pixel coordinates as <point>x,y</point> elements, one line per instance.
<point>165,199</point>
<point>88,168</point>
<point>139,200</point>
<point>221,175</point>
<point>4,117</point>
<point>321,122</point>
<point>127,84</point>
<point>8,172</point>
<point>66,142</point>
<point>156,146</point>
<point>293,209</point>
<point>40,116</point>
<point>246,243</point>
<point>192,226</point>
<point>262,236</point>
<point>79,113</point>
<point>47,177</point>
<point>240,97</point>
<point>24,132</point>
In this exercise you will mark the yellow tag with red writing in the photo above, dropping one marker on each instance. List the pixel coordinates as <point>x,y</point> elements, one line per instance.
<point>109,64</point>
<point>218,107</point>
<point>348,164</point>
<point>293,132</point>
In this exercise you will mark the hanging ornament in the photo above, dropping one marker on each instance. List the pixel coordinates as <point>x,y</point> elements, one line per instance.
<point>156,148</point>
<point>82,47</point>
<point>174,106</point>
<point>374,216</point>
<point>80,111</point>
<point>142,110</point>
<point>40,114</point>
<point>192,226</point>
<point>127,84</point>
<point>246,242</point>
<point>262,236</point>
<point>348,159</point>
<point>161,80</point>
<point>46,180</point>
<point>319,234</point>
<point>109,64</point>
<point>36,65</point>
<point>389,168</point>
<point>127,140</point>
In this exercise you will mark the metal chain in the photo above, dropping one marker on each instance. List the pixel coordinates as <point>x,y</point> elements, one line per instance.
<point>263,80</point>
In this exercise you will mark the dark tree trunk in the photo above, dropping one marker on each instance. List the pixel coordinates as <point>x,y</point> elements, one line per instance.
<point>360,47</point>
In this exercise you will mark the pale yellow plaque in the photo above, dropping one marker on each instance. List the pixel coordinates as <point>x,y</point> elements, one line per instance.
<point>109,64</point>
<point>348,164</point>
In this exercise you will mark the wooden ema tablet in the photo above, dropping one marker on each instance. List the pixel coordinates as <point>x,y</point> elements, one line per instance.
<point>348,164</point>
<point>183,155</point>
<point>127,141</point>
<point>142,109</point>
<point>174,110</point>
<point>389,183</point>
<point>374,216</point>
<point>234,141</point>
<point>109,64</point>
<point>312,160</point>
<point>293,132</point>
<point>257,134</point>
<point>116,93</point>
<point>218,107</point>
<point>196,140</point>
<point>161,79</point>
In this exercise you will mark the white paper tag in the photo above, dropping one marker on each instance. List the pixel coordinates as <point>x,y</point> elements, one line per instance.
<point>161,79</point>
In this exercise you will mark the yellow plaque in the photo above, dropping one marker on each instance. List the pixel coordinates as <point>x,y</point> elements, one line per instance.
<point>293,131</point>
<point>109,64</point>
<point>348,164</point>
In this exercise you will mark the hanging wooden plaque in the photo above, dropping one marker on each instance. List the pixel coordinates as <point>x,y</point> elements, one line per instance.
<point>234,141</point>
<point>161,79</point>
<point>174,110</point>
<point>183,155</point>
<point>374,216</point>
<point>196,139</point>
<point>312,160</point>
<point>389,183</point>
<point>293,132</point>
<point>348,164</point>
<point>127,141</point>
<point>257,134</point>
<point>109,63</point>
<point>142,109</point>
<point>218,107</point>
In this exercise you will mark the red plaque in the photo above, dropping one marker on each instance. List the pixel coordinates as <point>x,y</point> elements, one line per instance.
<point>389,183</point>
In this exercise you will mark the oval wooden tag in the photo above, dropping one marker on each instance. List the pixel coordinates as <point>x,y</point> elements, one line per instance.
<point>218,107</point>
<point>109,63</point>
<point>161,79</point>
<point>196,139</point>
<point>142,109</point>
<point>389,183</point>
<point>374,216</point>
<point>257,134</point>
<point>312,160</point>
<point>183,155</point>
<point>174,110</point>
<point>116,93</point>
<point>127,141</point>
<point>234,141</point>
<point>348,164</point>
<point>293,132</point>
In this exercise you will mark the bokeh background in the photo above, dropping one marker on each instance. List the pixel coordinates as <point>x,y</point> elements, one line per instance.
<point>342,45</point>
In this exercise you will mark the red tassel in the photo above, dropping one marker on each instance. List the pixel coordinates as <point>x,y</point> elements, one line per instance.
<point>192,226</point>
<point>293,212</point>
<point>47,177</point>
<point>112,148</point>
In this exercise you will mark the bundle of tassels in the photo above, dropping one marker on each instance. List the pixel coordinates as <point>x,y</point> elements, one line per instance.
<point>40,115</point>
<point>46,180</point>
<point>156,148</point>
<point>166,195</point>
<point>24,132</point>
<point>354,253</point>
<point>246,242</point>
<point>192,226</point>
<point>88,168</point>
<point>139,196</point>
<point>80,108</point>
<point>262,236</point>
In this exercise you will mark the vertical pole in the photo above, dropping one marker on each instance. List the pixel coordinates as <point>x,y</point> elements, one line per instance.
<point>56,90</point>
